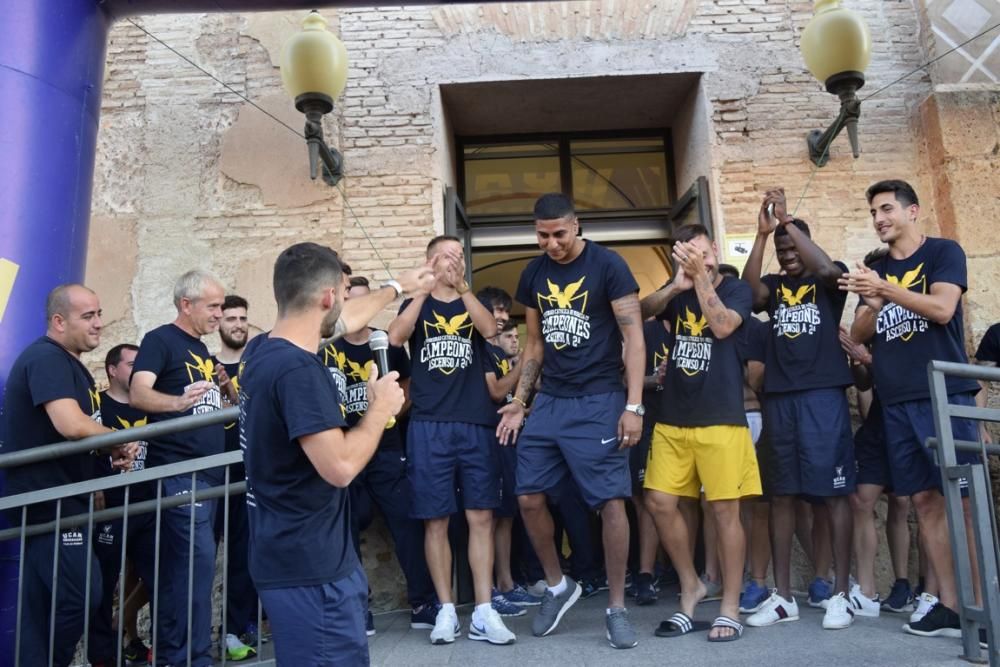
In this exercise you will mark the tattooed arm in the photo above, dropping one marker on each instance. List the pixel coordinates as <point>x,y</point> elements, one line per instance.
<point>723,321</point>
<point>512,414</point>
<point>628,315</point>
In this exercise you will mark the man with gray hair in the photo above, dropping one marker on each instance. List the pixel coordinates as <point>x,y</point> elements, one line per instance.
<point>174,376</point>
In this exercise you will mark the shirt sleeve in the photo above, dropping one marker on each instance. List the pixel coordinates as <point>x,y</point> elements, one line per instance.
<point>989,346</point>
<point>739,298</point>
<point>304,395</point>
<point>949,266</point>
<point>619,280</point>
<point>152,356</point>
<point>524,295</point>
<point>50,378</point>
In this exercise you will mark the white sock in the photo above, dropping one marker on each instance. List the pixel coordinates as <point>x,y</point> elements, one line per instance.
<point>448,606</point>
<point>558,588</point>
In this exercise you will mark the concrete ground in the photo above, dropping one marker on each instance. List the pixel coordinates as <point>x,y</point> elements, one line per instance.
<point>579,640</point>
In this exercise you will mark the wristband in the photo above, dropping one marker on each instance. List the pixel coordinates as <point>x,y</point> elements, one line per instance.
<point>523,404</point>
<point>394,284</point>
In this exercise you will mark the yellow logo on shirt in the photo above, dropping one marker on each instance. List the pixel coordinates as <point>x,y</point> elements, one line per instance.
<point>204,368</point>
<point>661,355</point>
<point>801,293</point>
<point>95,401</point>
<point>456,326</point>
<point>910,279</point>
<point>357,372</point>
<point>503,365</point>
<point>693,325</point>
<point>136,424</point>
<point>330,353</point>
<point>564,298</point>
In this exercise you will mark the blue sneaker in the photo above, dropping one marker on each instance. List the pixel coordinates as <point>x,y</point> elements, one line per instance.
<point>520,596</point>
<point>591,587</point>
<point>820,589</point>
<point>900,598</point>
<point>753,597</point>
<point>504,607</point>
<point>423,617</point>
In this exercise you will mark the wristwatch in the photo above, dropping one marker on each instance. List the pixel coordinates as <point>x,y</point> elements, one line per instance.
<point>394,284</point>
<point>637,408</point>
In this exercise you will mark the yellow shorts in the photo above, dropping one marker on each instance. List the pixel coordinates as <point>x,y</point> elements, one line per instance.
<point>720,458</point>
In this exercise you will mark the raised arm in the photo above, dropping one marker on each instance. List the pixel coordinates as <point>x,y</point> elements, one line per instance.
<point>655,303</point>
<point>401,328</point>
<point>815,258</point>
<point>766,224</point>
<point>937,306</point>
<point>723,321</point>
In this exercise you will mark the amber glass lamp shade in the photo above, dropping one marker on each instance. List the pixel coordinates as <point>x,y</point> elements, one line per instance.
<point>835,42</point>
<point>314,62</point>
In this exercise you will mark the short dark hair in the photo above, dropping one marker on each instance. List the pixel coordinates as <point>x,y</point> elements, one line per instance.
<point>114,355</point>
<point>801,224</point>
<point>510,324</point>
<point>875,255</point>
<point>300,271</point>
<point>495,297</point>
<point>553,206</point>
<point>729,270</point>
<point>345,268</point>
<point>359,281</point>
<point>691,231</point>
<point>441,239</point>
<point>235,301</point>
<point>903,191</point>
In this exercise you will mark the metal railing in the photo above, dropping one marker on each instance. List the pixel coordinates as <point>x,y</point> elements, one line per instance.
<point>981,506</point>
<point>194,468</point>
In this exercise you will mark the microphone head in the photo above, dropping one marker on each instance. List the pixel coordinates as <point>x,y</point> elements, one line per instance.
<point>378,340</point>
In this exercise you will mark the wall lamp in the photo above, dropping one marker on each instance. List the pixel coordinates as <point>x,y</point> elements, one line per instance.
<point>836,46</point>
<point>314,71</point>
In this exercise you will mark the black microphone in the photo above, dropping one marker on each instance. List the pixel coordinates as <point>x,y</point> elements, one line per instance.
<point>378,341</point>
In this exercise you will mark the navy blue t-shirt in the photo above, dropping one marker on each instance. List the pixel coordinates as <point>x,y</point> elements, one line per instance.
<point>658,343</point>
<point>583,344</point>
<point>299,524</point>
<point>804,352</point>
<point>42,373</point>
<point>449,364</point>
<point>500,365</point>
<point>989,346</point>
<point>904,342</point>
<point>755,337</point>
<point>349,366</point>
<point>704,383</point>
<point>118,416</point>
<point>179,359</point>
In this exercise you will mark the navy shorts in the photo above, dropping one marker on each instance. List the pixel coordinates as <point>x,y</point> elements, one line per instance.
<point>808,446</point>
<point>320,625</point>
<point>912,465</point>
<point>638,456</point>
<point>443,457</point>
<point>872,457</point>
<point>579,437</point>
<point>508,496</point>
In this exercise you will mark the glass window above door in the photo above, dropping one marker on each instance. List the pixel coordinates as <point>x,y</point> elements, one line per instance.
<point>625,172</point>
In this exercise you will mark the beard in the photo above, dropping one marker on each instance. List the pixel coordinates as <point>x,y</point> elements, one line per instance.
<point>234,343</point>
<point>329,323</point>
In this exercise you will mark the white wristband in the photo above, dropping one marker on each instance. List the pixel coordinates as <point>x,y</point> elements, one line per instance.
<point>394,284</point>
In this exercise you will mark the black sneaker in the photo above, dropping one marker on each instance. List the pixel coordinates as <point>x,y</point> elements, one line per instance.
<point>591,587</point>
<point>940,621</point>
<point>370,625</point>
<point>135,651</point>
<point>645,592</point>
<point>900,598</point>
<point>983,644</point>
<point>422,617</point>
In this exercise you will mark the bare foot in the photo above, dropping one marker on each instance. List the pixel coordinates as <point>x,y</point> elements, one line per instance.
<point>720,632</point>
<point>690,599</point>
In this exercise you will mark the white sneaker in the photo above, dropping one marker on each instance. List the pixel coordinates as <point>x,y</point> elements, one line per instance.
<point>839,613</point>
<point>924,604</point>
<point>864,605</point>
<point>775,609</point>
<point>446,627</point>
<point>489,627</point>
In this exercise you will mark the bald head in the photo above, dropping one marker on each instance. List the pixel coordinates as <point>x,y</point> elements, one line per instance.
<point>73,318</point>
